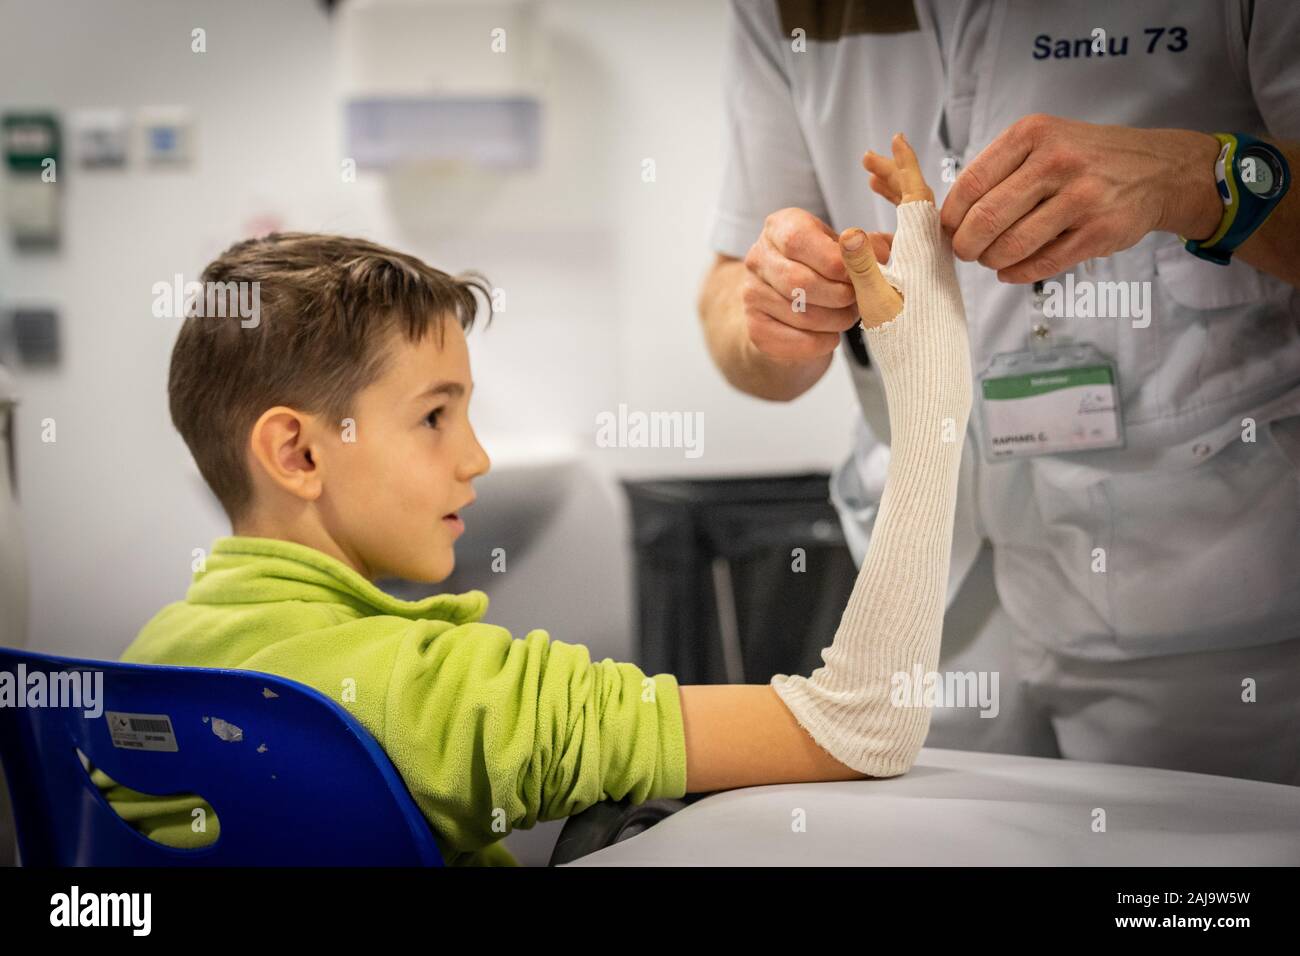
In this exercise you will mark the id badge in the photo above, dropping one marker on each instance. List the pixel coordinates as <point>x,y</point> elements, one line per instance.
<point>1050,401</point>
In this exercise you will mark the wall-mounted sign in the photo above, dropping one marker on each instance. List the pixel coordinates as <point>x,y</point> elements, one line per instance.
<point>31,147</point>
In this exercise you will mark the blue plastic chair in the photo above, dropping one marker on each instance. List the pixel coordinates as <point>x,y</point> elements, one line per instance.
<point>321,792</point>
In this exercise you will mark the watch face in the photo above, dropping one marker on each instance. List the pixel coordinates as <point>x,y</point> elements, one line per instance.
<point>1260,172</point>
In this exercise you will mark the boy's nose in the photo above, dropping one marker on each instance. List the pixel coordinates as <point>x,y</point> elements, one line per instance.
<point>479,463</point>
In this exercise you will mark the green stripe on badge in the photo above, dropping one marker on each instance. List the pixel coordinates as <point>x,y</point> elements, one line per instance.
<point>1039,383</point>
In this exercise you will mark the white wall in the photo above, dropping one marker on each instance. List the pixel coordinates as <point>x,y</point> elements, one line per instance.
<point>601,271</point>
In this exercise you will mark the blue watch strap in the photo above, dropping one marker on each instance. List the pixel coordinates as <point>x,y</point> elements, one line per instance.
<point>1244,210</point>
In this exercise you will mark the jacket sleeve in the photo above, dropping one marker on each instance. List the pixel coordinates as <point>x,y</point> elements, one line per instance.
<point>492,733</point>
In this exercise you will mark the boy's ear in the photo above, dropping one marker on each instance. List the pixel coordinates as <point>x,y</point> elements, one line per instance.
<point>280,445</point>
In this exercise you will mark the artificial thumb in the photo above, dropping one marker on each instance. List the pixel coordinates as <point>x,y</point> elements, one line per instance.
<point>878,301</point>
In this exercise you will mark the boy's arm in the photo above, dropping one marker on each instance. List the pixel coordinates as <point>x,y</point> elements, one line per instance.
<point>844,721</point>
<point>742,735</point>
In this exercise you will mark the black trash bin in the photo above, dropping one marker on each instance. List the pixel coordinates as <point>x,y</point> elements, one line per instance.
<point>720,595</point>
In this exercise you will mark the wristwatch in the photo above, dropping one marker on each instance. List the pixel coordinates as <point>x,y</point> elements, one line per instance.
<point>1252,177</point>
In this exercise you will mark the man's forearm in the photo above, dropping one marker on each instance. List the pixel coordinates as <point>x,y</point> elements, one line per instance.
<point>725,330</point>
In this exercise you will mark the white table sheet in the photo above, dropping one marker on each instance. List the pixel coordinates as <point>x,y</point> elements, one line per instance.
<point>961,808</point>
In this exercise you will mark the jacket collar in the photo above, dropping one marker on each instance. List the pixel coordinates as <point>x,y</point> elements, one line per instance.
<point>256,570</point>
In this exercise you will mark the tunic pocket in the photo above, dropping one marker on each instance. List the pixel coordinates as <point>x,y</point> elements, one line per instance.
<point>1207,556</point>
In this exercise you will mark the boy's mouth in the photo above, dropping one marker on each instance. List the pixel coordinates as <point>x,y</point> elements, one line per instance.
<point>454,518</point>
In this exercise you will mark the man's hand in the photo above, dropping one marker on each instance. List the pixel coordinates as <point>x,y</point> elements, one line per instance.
<point>773,320</point>
<point>796,292</point>
<point>1049,193</point>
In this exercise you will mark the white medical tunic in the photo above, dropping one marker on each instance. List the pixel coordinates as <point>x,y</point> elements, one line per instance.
<point>1200,529</point>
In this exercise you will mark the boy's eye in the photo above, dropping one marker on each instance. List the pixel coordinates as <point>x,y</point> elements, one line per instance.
<point>432,418</point>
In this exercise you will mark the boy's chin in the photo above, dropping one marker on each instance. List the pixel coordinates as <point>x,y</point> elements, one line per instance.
<point>434,571</point>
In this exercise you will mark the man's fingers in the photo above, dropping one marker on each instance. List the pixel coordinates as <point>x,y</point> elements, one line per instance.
<point>910,181</point>
<point>758,297</point>
<point>999,159</point>
<point>878,301</point>
<point>1045,222</point>
<point>787,276</point>
<point>803,238</point>
<point>1059,255</point>
<point>774,337</point>
<point>998,210</point>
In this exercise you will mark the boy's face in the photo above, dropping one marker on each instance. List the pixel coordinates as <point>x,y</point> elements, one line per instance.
<point>390,491</point>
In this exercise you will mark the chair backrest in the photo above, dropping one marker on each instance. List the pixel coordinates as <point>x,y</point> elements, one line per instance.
<point>293,778</point>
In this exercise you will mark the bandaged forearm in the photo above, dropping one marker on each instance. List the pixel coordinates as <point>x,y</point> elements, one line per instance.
<point>894,618</point>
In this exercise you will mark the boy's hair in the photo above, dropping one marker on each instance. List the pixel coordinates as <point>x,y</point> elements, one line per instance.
<point>328,306</point>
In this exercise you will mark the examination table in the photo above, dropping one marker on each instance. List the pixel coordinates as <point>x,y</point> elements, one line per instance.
<point>961,808</point>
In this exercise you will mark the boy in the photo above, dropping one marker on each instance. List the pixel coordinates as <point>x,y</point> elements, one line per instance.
<point>336,434</point>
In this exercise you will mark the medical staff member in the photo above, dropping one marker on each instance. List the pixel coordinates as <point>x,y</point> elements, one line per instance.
<point>1147,589</point>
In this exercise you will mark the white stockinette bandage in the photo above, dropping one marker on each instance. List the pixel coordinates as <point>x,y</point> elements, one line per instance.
<point>894,618</point>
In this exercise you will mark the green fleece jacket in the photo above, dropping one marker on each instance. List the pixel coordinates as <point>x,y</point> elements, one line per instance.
<point>472,719</point>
